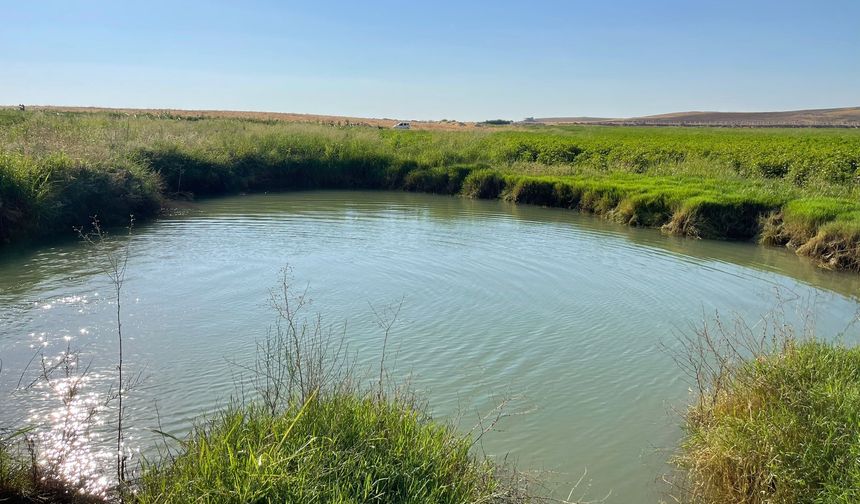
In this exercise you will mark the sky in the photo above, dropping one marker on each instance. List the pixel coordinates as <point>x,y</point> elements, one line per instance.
<point>434,60</point>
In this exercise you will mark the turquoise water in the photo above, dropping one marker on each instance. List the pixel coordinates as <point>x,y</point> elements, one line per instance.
<point>568,319</point>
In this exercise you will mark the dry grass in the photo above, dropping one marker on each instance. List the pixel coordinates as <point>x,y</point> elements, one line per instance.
<point>773,418</point>
<point>327,120</point>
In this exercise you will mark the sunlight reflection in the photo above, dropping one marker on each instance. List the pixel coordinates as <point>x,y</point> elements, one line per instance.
<point>68,441</point>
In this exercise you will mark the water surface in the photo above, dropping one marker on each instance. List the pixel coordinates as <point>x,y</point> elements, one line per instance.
<point>565,314</point>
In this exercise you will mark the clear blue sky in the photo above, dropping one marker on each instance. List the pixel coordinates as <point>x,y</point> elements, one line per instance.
<point>433,60</point>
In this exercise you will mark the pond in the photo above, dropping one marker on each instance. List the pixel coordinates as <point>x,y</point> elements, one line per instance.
<point>570,320</point>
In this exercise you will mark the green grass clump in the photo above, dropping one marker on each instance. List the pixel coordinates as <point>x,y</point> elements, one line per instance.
<point>783,427</point>
<point>837,243</point>
<point>13,479</point>
<point>484,184</point>
<point>55,193</point>
<point>334,449</point>
<point>438,180</point>
<point>801,219</point>
<point>827,229</point>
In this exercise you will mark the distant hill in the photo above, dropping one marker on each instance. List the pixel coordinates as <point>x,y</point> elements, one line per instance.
<point>584,119</point>
<point>836,117</point>
<point>848,117</point>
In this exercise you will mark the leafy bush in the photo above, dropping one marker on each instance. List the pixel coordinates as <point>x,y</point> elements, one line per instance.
<point>484,184</point>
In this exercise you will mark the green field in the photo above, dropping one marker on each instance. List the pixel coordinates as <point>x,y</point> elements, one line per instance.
<point>792,187</point>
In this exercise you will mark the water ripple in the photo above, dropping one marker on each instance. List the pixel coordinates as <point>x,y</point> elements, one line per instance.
<point>566,312</point>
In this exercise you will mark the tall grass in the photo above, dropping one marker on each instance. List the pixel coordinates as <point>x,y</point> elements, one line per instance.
<point>785,187</point>
<point>312,432</point>
<point>336,448</point>
<point>774,417</point>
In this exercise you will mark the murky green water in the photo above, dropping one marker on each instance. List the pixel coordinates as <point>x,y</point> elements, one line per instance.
<point>565,314</point>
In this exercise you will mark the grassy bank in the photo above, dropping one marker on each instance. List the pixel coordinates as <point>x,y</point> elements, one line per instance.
<point>796,188</point>
<point>330,448</point>
<point>774,419</point>
<point>340,448</point>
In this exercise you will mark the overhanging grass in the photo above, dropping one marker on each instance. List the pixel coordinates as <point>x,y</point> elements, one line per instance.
<point>41,196</point>
<point>784,428</point>
<point>688,206</point>
<point>335,449</point>
<point>788,187</point>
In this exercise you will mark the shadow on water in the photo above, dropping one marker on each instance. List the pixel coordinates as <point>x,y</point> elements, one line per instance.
<point>21,275</point>
<point>565,310</point>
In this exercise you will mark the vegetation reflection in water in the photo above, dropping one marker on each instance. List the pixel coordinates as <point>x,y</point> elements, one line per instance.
<point>586,357</point>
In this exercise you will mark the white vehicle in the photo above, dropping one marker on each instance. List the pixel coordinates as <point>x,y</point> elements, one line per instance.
<point>401,125</point>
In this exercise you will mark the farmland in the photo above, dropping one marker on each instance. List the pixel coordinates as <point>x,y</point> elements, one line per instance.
<point>782,187</point>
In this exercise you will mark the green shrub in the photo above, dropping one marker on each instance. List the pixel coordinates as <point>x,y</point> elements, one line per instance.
<point>483,184</point>
<point>534,192</point>
<point>339,448</point>
<point>782,427</point>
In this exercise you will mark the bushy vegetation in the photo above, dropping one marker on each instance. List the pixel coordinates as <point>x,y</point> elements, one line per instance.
<point>337,449</point>
<point>55,193</point>
<point>774,418</point>
<point>796,187</point>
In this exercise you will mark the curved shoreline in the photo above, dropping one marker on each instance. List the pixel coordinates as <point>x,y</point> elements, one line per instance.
<point>702,216</point>
<point>713,189</point>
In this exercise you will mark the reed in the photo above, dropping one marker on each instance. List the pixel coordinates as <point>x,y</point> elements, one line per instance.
<point>773,417</point>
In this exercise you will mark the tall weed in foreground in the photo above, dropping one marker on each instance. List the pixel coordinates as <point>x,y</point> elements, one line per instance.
<point>54,461</point>
<point>314,428</point>
<point>114,261</point>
